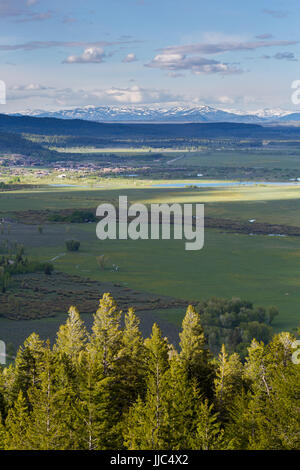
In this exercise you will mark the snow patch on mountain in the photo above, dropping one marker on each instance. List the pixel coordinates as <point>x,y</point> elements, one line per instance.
<point>171,114</point>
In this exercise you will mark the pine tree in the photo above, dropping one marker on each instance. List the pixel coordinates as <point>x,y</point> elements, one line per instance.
<point>280,426</point>
<point>3,389</point>
<point>256,370</point>
<point>47,426</point>
<point>209,435</point>
<point>16,425</point>
<point>146,421</point>
<point>242,426</point>
<point>71,337</point>
<point>182,397</point>
<point>2,435</point>
<point>278,416</point>
<point>26,364</point>
<point>93,416</point>
<point>130,366</point>
<point>194,351</point>
<point>228,381</point>
<point>107,335</point>
<point>70,344</point>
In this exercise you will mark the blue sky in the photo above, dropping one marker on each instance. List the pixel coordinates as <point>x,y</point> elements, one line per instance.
<point>224,53</point>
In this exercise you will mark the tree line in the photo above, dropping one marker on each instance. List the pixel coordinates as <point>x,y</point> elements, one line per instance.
<point>109,389</point>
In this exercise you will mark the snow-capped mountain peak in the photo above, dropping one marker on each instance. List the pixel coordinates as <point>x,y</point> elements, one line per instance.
<point>158,113</point>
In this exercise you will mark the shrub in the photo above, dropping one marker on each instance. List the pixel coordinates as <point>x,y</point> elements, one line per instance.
<point>77,217</point>
<point>102,261</point>
<point>72,245</point>
<point>48,269</point>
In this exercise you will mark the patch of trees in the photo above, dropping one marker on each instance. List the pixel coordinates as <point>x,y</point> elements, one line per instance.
<point>234,323</point>
<point>76,217</point>
<point>17,263</point>
<point>111,389</point>
<point>72,245</point>
<point>18,144</point>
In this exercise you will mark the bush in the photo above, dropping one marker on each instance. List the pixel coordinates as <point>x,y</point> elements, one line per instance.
<point>77,217</point>
<point>72,245</point>
<point>80,217</point>
<point>48,269</point>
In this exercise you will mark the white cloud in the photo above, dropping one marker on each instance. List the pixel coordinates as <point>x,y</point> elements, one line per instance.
<point>136,94</point>
<point>209,48</point>
<point>37,17</point>
<point>30,87</point>
<point>225,100</point>
<point>17,8</point>
<point>193,57</point>
<point>13,7</point>
<point>91,55</point>
<point>264,36</point>
<point>69,20</point>
<point>197,65</point>
<point>130,58</point>
<point>133,94</point>
<point>34,45</point>
<point>281,56</point>
<point>276,13</point>
<point>175,75</point>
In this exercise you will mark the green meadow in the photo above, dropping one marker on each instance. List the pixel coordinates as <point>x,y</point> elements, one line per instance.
<point>265,157</point>
<point>259,268</point>
<point>272,204</point>
<point>262,269</point>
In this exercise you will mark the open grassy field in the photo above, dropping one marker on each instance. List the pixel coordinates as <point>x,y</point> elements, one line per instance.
<point>262,158</point>
<point>272,204</point>
<point>262,269</point>
<point>258,158</point>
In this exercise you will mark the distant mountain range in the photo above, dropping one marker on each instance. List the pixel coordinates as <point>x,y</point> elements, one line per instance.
<point>174,114</point>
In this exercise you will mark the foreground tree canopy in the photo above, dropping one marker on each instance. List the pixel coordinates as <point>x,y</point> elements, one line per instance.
<point>111,389</point>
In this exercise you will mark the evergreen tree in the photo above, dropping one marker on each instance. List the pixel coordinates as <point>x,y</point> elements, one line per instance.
<point>194,351</point>
<point>256,370</point>
<point>2,435</point>
<point>242,427</point>
<point>70,344</point>
<point>3,388</point>
<point>278,416</point>
<point>228,381</point>
<point>146,421</point>
<point>107,335</point>
<point>112,390</point>
<point>72,336</point>
<point>130,366</point>
<point>182,398</point>
<point>93,416</point>
<point>209,435</point>
<point>16,425</point>
<point>26,364</point>
<point>47,427</point>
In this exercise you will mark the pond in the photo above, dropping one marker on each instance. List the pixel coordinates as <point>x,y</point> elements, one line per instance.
<point>213,184</point>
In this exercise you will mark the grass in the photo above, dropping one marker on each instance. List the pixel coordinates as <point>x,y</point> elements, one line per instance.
<point>262,269</point>
<point>266,157</point>
<point>272,204</point>
<point>263,158</point>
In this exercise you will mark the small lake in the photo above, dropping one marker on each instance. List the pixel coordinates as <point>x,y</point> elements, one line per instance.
<point>225,183</point>
<point>66,186</point>
<point>72,186</point>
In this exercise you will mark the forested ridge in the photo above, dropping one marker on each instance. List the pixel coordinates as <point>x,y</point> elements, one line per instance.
<point>111,390</point>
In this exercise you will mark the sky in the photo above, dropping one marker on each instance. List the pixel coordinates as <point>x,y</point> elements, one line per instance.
<point>228,54</point>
